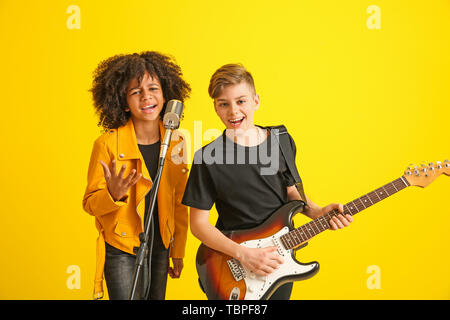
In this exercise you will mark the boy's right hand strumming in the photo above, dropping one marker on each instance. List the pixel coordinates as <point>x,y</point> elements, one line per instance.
<point>262,261</point>
<point>118,185</point>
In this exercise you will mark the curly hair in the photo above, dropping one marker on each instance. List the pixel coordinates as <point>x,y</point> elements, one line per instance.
<point>112,76</point>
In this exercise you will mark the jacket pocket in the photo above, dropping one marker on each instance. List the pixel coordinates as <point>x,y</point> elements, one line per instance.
<point>124,230</point>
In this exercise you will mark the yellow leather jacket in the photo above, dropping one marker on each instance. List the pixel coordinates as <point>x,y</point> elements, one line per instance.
<point>120,222</point>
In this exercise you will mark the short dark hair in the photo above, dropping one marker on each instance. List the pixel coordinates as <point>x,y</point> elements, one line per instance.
<point>112,76</point>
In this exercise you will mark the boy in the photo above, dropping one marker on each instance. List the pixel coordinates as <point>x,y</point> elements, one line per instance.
<point>244,194</point>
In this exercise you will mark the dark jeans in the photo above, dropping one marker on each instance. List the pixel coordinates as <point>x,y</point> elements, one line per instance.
<point>119,268</point>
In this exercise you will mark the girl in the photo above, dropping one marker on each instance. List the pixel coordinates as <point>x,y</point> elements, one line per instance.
<point>130,93</point>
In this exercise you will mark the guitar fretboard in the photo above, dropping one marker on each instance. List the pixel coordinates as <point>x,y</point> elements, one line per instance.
<point>302,234</point>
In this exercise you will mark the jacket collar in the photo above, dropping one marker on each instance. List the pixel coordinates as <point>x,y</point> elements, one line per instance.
<point>127,147</point>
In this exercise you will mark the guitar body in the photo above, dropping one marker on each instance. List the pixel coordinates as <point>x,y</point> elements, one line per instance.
<point>224,278</point>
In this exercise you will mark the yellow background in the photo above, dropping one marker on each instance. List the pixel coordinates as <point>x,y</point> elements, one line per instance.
<point>361,104</point>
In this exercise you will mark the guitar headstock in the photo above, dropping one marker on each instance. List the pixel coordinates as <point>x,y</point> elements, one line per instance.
<point>425,174</point>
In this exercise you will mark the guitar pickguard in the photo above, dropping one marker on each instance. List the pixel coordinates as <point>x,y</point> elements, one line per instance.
<point>259,286</point>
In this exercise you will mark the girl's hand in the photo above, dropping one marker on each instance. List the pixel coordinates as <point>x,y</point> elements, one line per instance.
<point>118,185</point>
<point>262,261</point>
<point>175,271</point>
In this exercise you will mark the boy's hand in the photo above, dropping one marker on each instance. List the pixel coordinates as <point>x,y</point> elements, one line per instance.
<point>262,261</point>
<point>340,221</point>
<point>118,185</point>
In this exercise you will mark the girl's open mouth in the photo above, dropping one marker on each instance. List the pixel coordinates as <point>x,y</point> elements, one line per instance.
<point>149,109</point>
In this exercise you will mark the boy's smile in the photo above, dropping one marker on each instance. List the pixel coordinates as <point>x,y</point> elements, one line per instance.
<point>236,105</point>
<point>236,122</point>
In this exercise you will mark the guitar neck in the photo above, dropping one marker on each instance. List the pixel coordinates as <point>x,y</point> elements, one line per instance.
<point>302,234</point>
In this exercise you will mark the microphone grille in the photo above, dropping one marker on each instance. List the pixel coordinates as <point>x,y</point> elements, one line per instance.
<point>172,116</point>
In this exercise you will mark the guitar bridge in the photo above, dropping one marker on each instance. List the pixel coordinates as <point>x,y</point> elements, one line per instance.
<point>237,270</point>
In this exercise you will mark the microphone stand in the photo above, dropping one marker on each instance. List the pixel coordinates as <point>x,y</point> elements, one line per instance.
<point>144,237</point>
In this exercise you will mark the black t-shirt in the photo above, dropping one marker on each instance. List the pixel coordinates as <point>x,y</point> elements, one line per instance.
<point>150,153</point>
<point>247,184</point>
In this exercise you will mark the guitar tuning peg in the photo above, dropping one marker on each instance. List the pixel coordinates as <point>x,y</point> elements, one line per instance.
<point>423,166</point>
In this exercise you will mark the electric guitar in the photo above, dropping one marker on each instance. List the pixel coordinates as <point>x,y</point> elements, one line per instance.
<point>225,278</point>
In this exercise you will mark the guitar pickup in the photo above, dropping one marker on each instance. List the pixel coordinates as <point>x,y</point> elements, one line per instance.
<point>280,248</point>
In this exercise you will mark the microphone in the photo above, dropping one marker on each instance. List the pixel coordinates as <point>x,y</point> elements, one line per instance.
<point>171,121</point>
<point>174,110</point>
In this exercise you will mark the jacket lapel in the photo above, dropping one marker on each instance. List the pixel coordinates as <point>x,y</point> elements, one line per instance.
<point>127,149</point>
<point>126,142</point>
